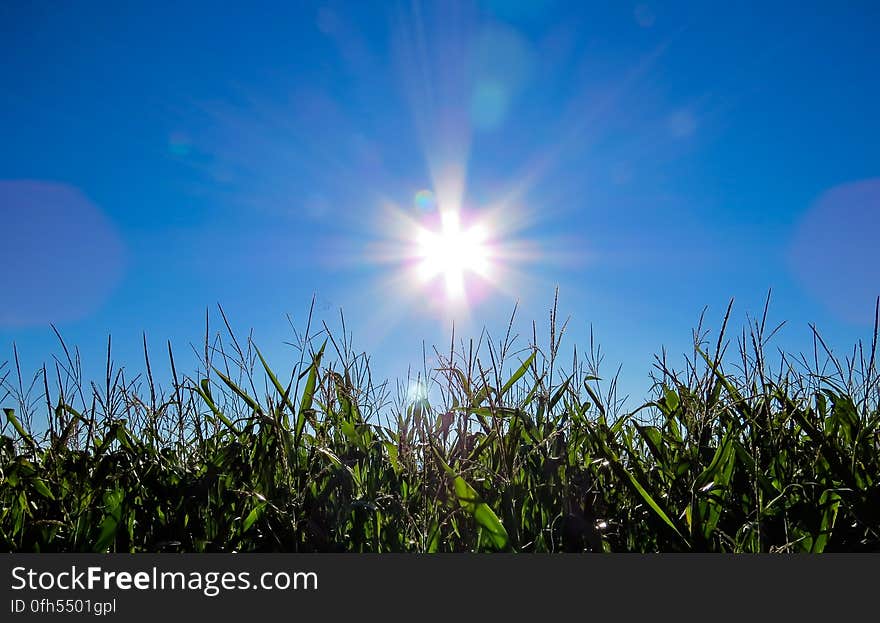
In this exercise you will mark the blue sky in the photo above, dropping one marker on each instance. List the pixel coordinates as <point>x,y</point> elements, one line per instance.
<point>648,159</point>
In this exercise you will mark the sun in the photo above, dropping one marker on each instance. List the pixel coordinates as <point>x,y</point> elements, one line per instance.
<point>452,252</point>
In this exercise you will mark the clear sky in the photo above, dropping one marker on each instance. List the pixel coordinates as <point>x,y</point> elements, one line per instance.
<point>650,159</point>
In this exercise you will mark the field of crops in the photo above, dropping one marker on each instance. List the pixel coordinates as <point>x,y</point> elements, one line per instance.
<point>510,447</point>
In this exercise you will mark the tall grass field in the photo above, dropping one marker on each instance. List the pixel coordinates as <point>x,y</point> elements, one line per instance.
<point>512,446</point>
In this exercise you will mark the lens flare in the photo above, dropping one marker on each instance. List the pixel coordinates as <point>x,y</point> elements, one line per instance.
<point>424,201</point>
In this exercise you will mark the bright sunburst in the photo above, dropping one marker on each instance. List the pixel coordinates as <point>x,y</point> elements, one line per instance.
<point>452,252</point>
<point>448,260</point>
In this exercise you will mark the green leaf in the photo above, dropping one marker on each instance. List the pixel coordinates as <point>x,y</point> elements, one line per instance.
<point>284,392</point>
<point>308,395</point>
<point>557,395</point>
<point>42,489</point>
<point>471,501</point>
<point>112,519</point>
<point>255,514</point>
<point>392,456</point>
<point>465,385</point>
<point>10,416</point>
<point>836,458</point>
<point>672,400</point>
<point>518,374</point>
<point>829,503</point>
<point>240,392</point>
<point>485,517</point>
<point>654,440</point>
<point>434,539</point>
<point>205,392</point>
<point>720,467</point>
<point>481,395</point>
<point>68,430</point>
<point>639,488</point>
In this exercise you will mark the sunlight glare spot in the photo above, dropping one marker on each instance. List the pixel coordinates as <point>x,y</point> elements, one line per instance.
<point>416,392</point>
<point>452,252</point>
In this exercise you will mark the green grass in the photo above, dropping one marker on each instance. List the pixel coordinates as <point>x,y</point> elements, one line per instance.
<point>516,451</point>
